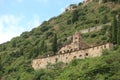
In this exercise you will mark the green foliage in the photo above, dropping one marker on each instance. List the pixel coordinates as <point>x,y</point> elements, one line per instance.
<point>118,32</point>
<point>55,44</point>
<point>104,1</point>
<point>25,34</point>
<point>74,62</point>
<point>103,9</point>
<point>1,69</point>
<point>44,28</point>
<point>93,35</point>
<point>16,55</point>
<point>105,19</point>
<point>115,1</point>
<point>115,31</point>
<point>69,22</point>
<point>105,67</point>
<point>43,47</point>
<point>75,16</point>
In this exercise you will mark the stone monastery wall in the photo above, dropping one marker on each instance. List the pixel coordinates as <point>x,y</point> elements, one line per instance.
<point>67,57</point>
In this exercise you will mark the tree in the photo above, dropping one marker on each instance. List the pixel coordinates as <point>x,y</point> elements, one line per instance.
<point>104,1</point>
<point>75,16</point>
<point>54,44</point>
<point>114,31</point>
<point>105,19</point>
<point>0,67</point>
<point>43,47</point>
<point>0,64</point>
<point>118,32</point>
<point>13,44</point>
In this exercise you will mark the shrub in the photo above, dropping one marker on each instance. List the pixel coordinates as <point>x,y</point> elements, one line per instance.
<point>103,9</point>
<point>68,22</point>
<point>104,19</point>
<point>44,28</point>
<point>104,1</point>
<point>93,35</point>
<point>104,38</point>
<point>80,4</point>
<point>75,16</point>
<point>25,34</point>
<point>105,52</point>
<point>74,62</point>
<point>48,34</point>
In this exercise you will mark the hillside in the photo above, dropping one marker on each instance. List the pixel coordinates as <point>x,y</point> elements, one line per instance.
<point>17,54</point>
<point>105,67</point>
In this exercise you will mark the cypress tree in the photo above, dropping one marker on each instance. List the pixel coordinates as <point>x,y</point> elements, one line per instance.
<point>0,64</point>
<point>43,47</point>
<point>114,31</point>
<point>54,44</point>
<point>118,32</point>
<point>75,16</point>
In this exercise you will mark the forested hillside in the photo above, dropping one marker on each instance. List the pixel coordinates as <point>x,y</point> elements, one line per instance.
<point>17,54</point>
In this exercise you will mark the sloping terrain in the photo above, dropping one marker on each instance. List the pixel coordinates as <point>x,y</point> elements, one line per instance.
<point>16,55</point>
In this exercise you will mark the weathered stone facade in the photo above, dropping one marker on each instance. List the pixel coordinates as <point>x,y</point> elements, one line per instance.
<point>75,50</point>
<point>87,1</point>
<point>75,45</point>
<point>71,7</point>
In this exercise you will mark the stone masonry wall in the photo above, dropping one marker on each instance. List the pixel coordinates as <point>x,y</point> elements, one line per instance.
<point>67,57</point>
<point>96,28</point>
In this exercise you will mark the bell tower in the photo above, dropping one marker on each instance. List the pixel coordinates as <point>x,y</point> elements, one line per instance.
<point>77,37</point>
<point>76,40</point>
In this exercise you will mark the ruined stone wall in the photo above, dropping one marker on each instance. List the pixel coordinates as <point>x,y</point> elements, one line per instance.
<point>71,7</point>
<point>87,1</point>
<point>67,57</point>
<point>96,28</point>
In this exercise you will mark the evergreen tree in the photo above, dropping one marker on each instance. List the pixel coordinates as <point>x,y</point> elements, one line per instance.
<point>54,44</point>
<point>75,16</point>
<point>105,19</point>
<point>110,34</point>
<point>114,31</point>
<point>43,47</point>
<point>118,32</point>
<point>0,64</point>
<point>104,1</point>
<point>13,44</point>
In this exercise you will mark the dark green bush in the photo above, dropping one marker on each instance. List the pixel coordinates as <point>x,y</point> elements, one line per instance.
<point>93,35</point>
<point>44,28</point>
<point>69,22</point>
<point>103,9</point>
<point>25,34</point>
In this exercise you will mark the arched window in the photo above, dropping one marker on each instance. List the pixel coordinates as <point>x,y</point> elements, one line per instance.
<point>80,55</point>
<point>86,54</point>
<point>67,51</point>
<point>66,57</point>
<point>75,37</point>
<point>60,52</point>
<point>104,46</point>
<point>56,59</point>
